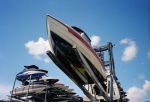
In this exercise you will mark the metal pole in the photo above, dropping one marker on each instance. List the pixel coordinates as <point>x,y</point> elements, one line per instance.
<point>28,88</point>
<point>111,70</point>
<point>90,72</point>
<point>46,95</point>
<point>13,89</point>
<point>58,63</point>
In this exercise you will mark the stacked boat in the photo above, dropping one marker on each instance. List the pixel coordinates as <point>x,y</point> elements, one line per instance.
<point>38,87</point>
<point>72,52</point>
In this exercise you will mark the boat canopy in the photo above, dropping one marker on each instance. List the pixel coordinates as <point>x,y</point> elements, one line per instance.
<point>31,67</point>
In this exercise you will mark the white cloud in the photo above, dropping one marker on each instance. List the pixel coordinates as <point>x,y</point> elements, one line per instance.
<point>146,86</point>
<point>38,49</point>
<point>95,40</point>
<point>130,51</point>
<point>148,54</point>
<point>136,94</point>
<point>141,76</point>
<point>5,90</point>
<point>124,41</point>
<point>47,60</point>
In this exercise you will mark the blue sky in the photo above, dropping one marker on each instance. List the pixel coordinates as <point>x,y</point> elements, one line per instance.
<point>125,23</point>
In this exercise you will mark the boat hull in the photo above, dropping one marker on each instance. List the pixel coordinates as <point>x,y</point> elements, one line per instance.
<point>32,89</point>
<point>62,38</point>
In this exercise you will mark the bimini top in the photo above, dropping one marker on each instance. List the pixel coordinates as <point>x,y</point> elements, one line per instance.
<point>31,67</point>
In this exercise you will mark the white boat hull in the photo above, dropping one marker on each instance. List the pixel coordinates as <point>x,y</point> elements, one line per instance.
<point>32,89</point>
<point>74,38</point>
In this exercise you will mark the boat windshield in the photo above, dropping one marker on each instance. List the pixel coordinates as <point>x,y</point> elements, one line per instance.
<point>83,34</point>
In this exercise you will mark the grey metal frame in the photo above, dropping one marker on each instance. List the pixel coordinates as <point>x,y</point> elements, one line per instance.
<point>57,62</point>
<point>91,73</point>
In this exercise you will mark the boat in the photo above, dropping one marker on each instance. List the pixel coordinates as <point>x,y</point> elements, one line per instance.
<point>69,90</point>
<point>60,86</point>
<point>66,42</point>
<point>36,86</point>
<point>46,80</point>
<point>33,88</point>
<point>31,71</point>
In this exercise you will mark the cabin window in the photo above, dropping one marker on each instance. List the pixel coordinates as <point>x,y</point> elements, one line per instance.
<point>84,36</point>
